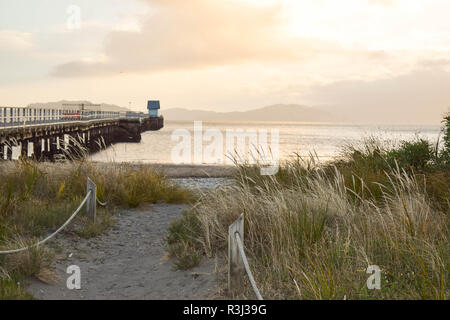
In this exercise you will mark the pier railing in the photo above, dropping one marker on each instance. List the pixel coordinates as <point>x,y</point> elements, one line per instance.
<point>20,117</point>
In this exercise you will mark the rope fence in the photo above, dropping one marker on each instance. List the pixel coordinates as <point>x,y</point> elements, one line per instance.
<point>237,260</point>
<point>90,200</point>
<point>101,204</point>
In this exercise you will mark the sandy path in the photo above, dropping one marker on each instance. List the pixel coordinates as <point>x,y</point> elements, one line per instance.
<point>127,263</point>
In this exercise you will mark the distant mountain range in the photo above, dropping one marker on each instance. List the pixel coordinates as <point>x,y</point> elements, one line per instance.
<point>376,114</point>
<point>279,112</point>
<point>60,104</point>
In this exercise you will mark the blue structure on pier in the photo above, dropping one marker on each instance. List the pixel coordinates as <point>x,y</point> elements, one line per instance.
<point>153,107</point>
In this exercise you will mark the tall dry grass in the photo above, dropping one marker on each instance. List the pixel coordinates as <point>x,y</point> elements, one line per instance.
<point>312,230</point>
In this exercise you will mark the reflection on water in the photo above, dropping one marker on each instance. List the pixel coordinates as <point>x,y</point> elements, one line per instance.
<point>326,140</point>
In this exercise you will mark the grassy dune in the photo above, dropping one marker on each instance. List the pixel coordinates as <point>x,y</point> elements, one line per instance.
<point>312,230</point>
<point>37,198</point>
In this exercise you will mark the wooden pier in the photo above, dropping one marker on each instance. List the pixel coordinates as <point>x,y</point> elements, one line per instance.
<point>45,133</point>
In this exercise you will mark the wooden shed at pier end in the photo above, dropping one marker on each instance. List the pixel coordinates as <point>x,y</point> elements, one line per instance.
<point>153,107</point>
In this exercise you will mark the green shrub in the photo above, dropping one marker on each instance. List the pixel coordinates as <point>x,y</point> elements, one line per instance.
<point>182,240</point>
<point>187,256</point>
<point>186,229</point>
<point>445,154</point>
<point>414,154</point>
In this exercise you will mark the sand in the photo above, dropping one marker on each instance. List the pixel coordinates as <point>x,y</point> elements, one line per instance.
<point>129,262</point>
<point>184,170</point>
<point>170,170</point>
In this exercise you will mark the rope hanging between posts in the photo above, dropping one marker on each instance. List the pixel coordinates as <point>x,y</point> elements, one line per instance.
<point>90,199</point>
<point>247,267</point>
<point>237,260</point>
<point>101,204</point>
<point>54,233</point>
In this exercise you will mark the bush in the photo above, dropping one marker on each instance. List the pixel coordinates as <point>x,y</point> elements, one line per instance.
<point>414,154</point>
<point>186,255</point>
<point>183,241</point>
<point>445,154</point>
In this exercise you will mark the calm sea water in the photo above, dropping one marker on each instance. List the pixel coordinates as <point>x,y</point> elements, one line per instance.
<point>326,140</point>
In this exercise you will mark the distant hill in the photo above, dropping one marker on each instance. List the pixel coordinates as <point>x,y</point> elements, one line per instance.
<point>279,112</point>
<point>60,104</point>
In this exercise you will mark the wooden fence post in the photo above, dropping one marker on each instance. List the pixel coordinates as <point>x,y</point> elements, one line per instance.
<point>91,205</point>
<point>236,268</point>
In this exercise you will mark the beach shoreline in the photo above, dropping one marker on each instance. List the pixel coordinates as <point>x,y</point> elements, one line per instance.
<point>181,170</point>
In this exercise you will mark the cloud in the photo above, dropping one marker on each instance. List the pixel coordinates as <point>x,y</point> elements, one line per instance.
<point>11,40</point>
<point>421,96</point>
<point>183,34</point>
<point>435,63</point>
<point>382,2</point>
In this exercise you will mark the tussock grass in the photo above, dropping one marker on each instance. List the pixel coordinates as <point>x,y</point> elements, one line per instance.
<point>186,255</point>
<point>26,263</point>
<point>10,290</point>
<point>312,230</point>
<point>14,268</point>
<point>87,229</point>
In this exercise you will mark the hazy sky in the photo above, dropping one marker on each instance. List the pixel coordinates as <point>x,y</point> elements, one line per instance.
<point>381,58</point>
